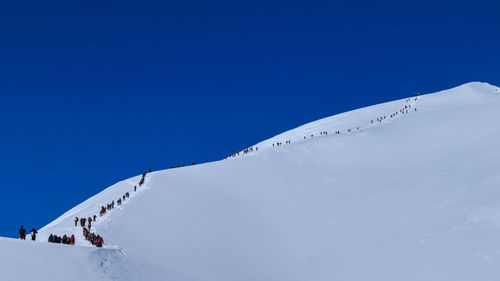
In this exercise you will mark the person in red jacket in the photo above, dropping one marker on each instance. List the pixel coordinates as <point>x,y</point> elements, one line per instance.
<point>99,242</point>
<point>72,240</point>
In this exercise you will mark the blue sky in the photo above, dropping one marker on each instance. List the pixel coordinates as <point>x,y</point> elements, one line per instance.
<point>93,92</point>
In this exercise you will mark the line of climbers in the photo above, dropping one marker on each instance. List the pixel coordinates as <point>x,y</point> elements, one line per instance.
<point>95,240</point>
<point>250,149</point>
<point>192,163</point>
<point>141,182</point>
<point>124,196</point>
<point>245,151</point>
<point>83,221</point>
<point>404,110</point>
<point>62,240</point>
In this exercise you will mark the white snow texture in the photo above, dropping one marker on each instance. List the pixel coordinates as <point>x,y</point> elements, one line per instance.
<point>412,196</point>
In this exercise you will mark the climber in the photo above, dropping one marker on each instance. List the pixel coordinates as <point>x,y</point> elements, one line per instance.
<point>76,220</point>
<point>33,234</point>
<point>99,242</point>
<point>22,233</point>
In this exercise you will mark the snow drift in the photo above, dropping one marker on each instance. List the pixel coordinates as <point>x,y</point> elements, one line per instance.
<point>414,196</point>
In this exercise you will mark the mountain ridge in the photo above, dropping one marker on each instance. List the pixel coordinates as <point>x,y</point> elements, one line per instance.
<point>407,197</point>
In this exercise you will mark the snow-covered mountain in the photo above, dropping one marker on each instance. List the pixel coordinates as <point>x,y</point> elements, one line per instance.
<point>407,190</point>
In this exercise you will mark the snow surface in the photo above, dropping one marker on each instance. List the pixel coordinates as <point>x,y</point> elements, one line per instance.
<point>413,197</point>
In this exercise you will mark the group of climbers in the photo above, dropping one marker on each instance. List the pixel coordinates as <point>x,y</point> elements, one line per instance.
<point>124,196</point>
<point>280,143</point>
<point>127,195</point>
<point>95,240</point>
<point>84,221</point>
<point>52,238</point>
<point>110,205</point>
<point>22,233</point>
<point>404,110</point>
<point>192,163</point>
<point>62,240</point>
<point>247,150</point>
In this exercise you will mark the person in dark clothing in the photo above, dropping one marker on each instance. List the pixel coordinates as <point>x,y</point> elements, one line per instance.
<point>64,239</point>
<point>95,217</point>
<point>51,238</point>
<point>135,188</point>
<point>22,233</point>
<point>76,220</point>
<point>33,234</point>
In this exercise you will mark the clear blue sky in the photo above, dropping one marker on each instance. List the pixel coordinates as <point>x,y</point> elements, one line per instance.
<point>96,91</point>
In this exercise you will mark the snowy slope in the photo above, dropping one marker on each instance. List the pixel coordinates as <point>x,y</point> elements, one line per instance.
<point>27,260</point>
<point>412,197</point>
